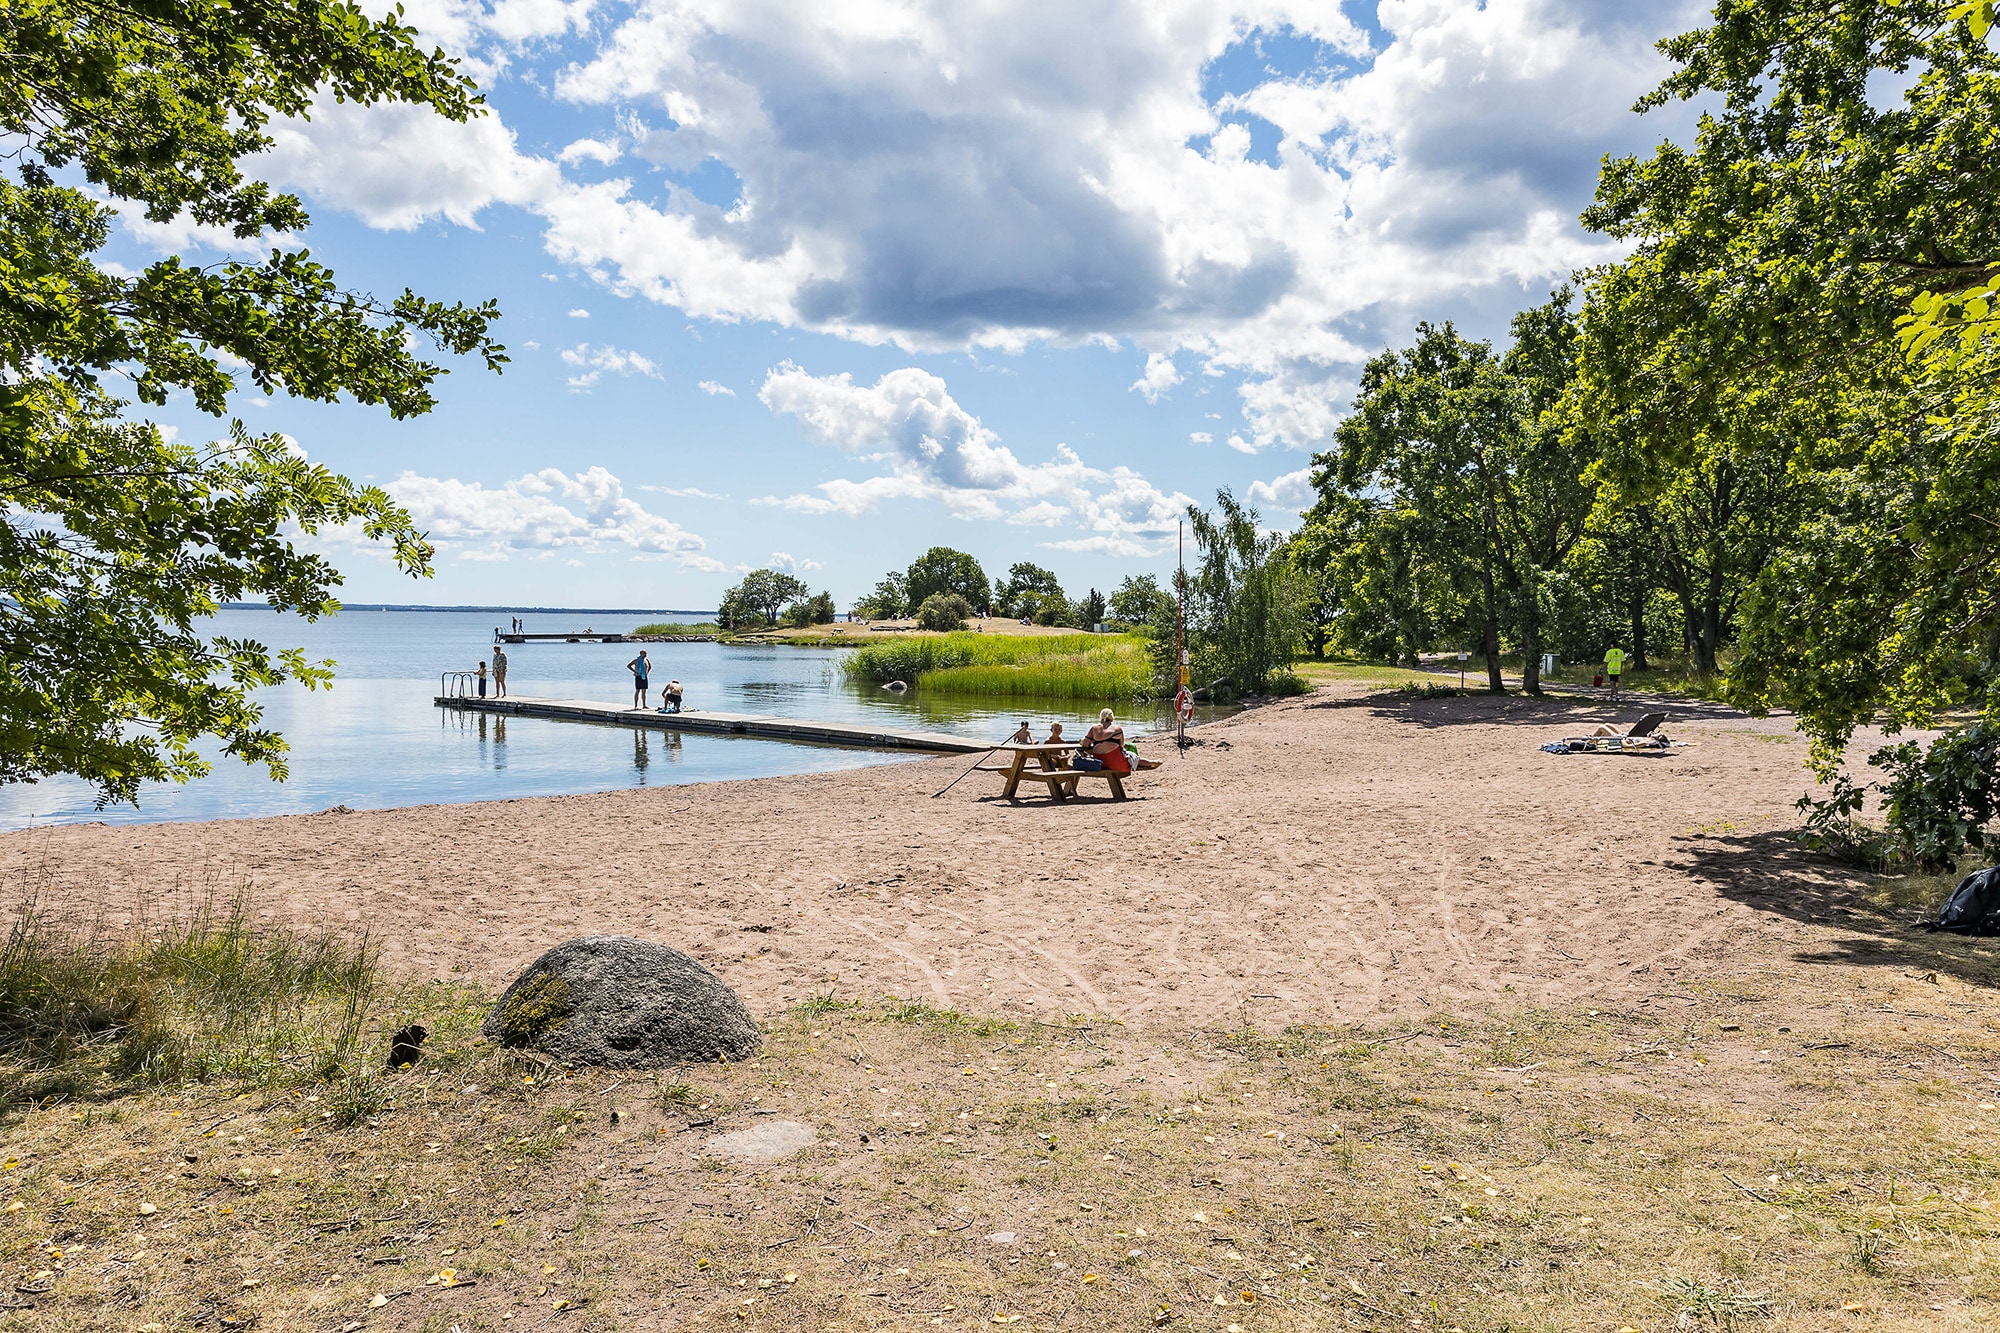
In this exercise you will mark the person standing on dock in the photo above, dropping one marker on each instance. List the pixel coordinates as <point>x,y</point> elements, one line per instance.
<point>482,680</point>
<point>641,668</point>
<point>499,672</point>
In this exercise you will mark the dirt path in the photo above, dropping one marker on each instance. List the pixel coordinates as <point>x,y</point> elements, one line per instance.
<point>1327,858</point>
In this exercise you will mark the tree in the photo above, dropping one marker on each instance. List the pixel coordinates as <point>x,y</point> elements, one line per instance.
<point>117,542</point>
<point>1242,596</point>
<point>942,569</point>
<point>762,595</point>
<point>1091,609</point>
<point>810,611</point>
<point>1137,600</point>
<point>1025,590</point>
<point>1375,580</point>
<point>943,611</point>
<point>1776,269</point>
<point>889,601</point>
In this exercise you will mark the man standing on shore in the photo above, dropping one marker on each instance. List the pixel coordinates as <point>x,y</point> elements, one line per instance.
<point>499,672</point>
<point>641,667</point>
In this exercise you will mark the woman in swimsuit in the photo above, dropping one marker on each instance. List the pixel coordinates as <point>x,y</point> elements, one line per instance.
<point>1106,741</point>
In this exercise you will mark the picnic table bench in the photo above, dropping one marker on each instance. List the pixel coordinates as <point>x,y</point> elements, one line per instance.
<point>1061,781</point>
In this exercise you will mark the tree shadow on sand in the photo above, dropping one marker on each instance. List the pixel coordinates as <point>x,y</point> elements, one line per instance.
<point>1564,715</point>
<point>1875,915</point>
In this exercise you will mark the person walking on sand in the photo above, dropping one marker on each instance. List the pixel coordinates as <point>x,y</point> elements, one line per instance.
<point>499,672</point>
<point>641,667</point>
<point>1614,667</point>
<point>482,680</point>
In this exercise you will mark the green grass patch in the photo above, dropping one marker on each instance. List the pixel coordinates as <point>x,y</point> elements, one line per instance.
<point>1056,666</point>
<point>86,1011</point>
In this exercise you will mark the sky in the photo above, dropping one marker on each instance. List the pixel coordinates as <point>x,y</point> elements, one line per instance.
<point>820,286</point>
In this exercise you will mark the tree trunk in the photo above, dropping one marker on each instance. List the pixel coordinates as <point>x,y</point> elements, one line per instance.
<point>1491,636</point>
<point>1637,607</point>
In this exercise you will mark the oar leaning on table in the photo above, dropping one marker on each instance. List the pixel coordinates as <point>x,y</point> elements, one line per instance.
<point>970,771</point>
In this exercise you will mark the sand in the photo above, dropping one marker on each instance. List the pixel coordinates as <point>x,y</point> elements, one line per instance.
<point>1322,859</point>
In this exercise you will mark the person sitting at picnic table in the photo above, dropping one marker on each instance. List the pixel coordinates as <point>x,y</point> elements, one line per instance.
<point>1103,746</point>
<point>1023,736</point>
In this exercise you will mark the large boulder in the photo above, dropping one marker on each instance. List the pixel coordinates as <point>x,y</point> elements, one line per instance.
<point>622,1004</point>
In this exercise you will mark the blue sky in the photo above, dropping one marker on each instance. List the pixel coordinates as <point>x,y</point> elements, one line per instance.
<point>822,286</point>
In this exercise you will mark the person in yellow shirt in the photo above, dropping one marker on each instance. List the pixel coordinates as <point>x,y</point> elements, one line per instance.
<point>1614,667</point>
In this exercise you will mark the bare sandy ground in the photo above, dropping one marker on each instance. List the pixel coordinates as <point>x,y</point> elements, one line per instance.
<point>1328,858</point>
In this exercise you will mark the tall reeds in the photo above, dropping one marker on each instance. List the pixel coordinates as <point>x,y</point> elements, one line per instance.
<point>1050,666</point>
<point>87,1010</point>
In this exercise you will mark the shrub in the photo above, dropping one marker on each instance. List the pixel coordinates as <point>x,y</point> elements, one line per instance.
<point>943,611</point>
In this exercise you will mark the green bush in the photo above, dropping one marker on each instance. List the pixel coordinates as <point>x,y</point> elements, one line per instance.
<point>943,611</point>
<point>1936,803</point>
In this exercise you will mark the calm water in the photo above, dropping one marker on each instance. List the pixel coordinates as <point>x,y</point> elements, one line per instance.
<point>376,739</point>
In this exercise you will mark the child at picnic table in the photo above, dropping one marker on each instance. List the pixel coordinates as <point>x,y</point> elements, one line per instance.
<point>1023,736</point>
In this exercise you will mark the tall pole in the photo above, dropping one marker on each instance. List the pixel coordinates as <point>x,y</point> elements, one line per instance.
<point>1181,698</point>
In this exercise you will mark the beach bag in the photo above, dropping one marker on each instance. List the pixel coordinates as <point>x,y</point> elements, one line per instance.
<point>1086,763</point>
<point>1974,906</point>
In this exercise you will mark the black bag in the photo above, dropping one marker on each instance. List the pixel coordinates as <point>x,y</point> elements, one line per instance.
<point>1974,906</point>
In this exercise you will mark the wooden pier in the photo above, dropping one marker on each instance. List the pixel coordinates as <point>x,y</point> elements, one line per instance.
<point>573,636</point>
<point>851,734</point>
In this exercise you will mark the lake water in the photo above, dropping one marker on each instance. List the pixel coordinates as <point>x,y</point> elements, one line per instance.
<point>376,738</point>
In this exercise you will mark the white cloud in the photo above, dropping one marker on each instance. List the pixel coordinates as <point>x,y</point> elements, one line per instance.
<point>1201,437</point>
<point>937,176</point>
<point>542,513</point>
<point>787,561</point>
<point>935,450</point>
<point>1293,490</point>
<point>590,150</point>
<point>579,313</point>
<point>1158,377</point>
<point>686,492</point>
<point>594,362</point>
<point>711,388</point>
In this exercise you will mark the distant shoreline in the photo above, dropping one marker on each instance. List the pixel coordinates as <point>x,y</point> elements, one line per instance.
<point>516,610</point>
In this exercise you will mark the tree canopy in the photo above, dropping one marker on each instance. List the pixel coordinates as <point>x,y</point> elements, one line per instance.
<point>118,541</point>
<point>1756,337</point>
<point>941,569</point>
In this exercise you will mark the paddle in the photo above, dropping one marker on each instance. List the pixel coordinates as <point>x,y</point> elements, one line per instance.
<point>968,772</point>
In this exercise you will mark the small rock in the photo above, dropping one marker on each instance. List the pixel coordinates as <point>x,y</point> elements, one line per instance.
<point>147,1210</point>
<point>771,1141</point>
<point>1002,1238</point>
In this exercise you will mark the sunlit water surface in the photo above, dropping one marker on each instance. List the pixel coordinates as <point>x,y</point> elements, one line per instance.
<point>377,739</point>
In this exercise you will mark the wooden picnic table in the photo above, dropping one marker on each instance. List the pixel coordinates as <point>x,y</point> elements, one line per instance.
<point>1061,781</point>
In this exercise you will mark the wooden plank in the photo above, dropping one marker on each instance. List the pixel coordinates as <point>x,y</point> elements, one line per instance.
<point>854,735</point>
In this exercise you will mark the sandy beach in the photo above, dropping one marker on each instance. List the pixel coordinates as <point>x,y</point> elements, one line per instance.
<point>1336,857</point>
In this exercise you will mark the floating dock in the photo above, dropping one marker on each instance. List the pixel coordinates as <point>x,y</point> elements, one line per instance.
<point>853,735</point>
<point>573,636</point>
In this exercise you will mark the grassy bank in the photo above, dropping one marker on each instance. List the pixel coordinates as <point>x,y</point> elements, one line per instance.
<point>1792,1156</point>
<point>1065,666</point>
<point>707,629</point>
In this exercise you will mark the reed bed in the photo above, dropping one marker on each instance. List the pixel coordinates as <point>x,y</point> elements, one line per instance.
<point>1056,666</point>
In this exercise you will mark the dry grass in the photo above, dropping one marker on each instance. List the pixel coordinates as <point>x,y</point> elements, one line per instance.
<point>1813,1152</point>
